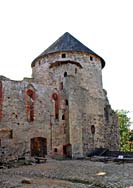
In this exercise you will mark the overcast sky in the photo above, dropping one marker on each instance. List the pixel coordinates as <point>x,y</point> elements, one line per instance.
<point>28,27</point>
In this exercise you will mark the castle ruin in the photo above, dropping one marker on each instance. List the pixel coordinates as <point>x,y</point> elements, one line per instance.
<point>62,110</point>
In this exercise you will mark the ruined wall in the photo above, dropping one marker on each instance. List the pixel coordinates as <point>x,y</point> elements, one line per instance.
<point>112,133</point>
<point>59,122</point>
<point>63,107</point>
<point>16,114</point>
<point>82,86</point>
<point>28,109</point>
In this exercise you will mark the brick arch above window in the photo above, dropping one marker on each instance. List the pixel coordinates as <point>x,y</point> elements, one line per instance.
<point>31,93</point>
<point>30,100</point>
<point>55,96</point>
<point>56,105</point>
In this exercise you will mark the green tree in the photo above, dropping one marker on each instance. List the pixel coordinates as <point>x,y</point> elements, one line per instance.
<point>131,140</point>
<point>124,123</point>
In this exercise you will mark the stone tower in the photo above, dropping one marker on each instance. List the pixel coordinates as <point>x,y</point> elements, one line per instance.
<point>63,109</point>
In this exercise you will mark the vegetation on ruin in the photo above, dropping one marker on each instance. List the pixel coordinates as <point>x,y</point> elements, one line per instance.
<point>126,135</point>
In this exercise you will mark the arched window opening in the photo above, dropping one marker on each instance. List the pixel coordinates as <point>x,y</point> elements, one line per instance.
<point>30,104</point>
<point>67,150</point>
<point>91,58</point>
<point>66,102</point>
<point>93,129</point>
<point>56,107</point>
<point>63,55</point>
<point>55,96</point>
<point>30,93</point>
<point>55,150</point>
<point>65,74</point>
<point>63,117</point>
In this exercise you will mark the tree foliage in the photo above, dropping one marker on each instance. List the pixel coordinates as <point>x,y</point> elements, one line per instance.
<point>125,133</point>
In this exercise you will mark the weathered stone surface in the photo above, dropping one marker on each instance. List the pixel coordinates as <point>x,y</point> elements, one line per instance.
<point>55,111</point>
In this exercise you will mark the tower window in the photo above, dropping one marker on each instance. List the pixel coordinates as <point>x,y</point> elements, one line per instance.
<point>63,55</point>
<point>91,58</point>
<point>65,74</point>
<point>66,102</point>
<point>93,129</point>
<point>30,105</point>
<point>56,105</point>
<point>75,70</point>
<point>63,117</point>
<point>55,150</point>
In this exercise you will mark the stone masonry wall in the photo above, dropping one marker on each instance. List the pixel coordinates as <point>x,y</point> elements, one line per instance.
<point>15,117</point>
<point>64,103</point>
<point>83,89</point>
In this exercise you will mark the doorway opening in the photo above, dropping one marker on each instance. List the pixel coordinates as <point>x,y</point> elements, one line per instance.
<point>38,147</point>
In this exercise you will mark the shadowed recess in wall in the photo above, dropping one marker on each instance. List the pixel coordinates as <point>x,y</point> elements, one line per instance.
<point>60,63</point>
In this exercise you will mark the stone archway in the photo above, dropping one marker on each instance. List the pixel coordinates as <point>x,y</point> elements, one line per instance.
<point>67,150</point>
<point>38,146</point>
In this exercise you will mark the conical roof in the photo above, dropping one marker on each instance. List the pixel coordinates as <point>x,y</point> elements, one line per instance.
<point>67,43</point>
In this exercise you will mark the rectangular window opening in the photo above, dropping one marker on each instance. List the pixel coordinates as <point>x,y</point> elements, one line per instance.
<point>91,58</point>
<point>63,55</point>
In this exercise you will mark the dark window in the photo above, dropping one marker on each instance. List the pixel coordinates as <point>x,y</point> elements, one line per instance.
<point>55,149</point>
<point>56,116</point>
<point>54,96</point>
<point>11,134</point>
<point>66,102</point>
<point>93,129</point>
<point>56,107</point>
<point>65,74</point>
<point>75,70</point>
<point>30,105</point>
<point>91,58</point>
<point>38,147</point>
<point>30,93</point>
<point>63,117</point>
<point>63,55</point>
